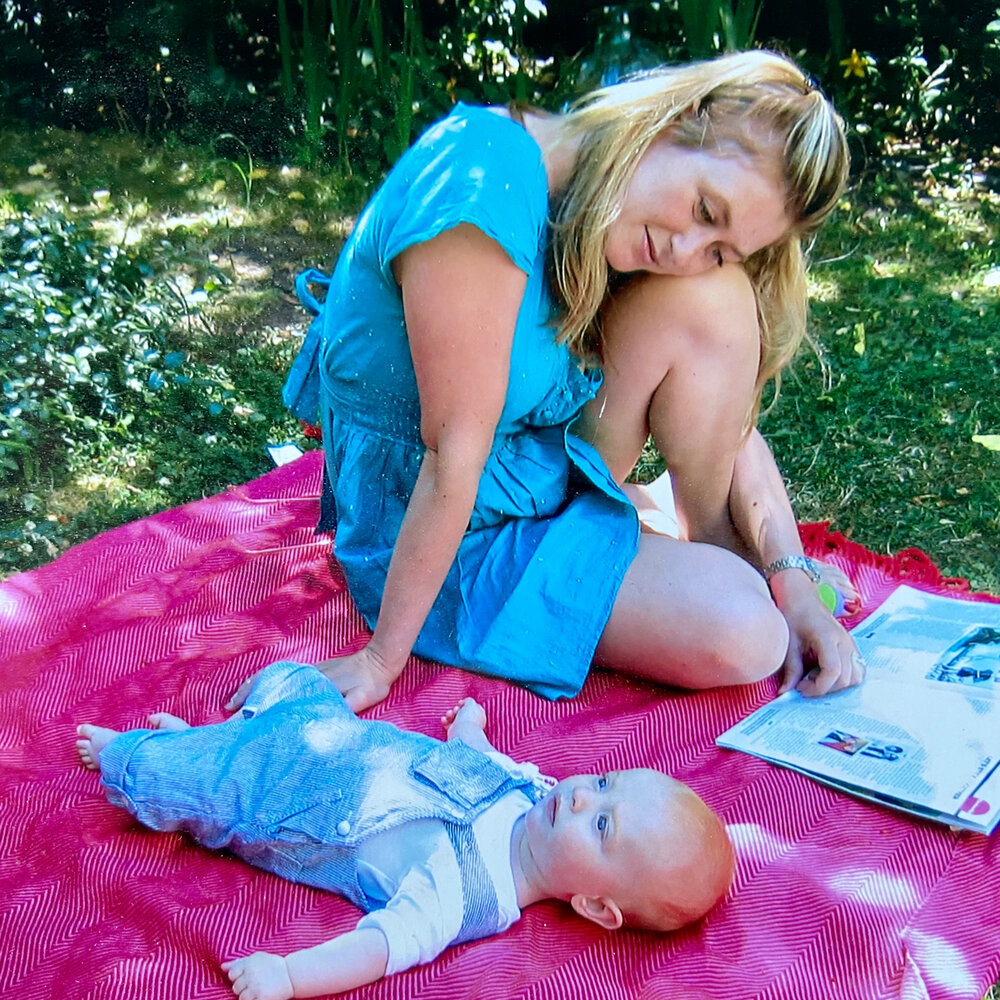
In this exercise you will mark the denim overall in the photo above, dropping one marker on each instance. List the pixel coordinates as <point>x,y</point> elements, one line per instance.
<point>295,782</point>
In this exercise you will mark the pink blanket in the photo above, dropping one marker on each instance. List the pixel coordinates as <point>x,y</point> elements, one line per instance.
<point>835,899</point>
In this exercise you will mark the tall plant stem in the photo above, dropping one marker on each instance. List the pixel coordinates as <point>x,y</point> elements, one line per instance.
<point>347,18</point>
<point>315,46</point>
<point>285,46</point>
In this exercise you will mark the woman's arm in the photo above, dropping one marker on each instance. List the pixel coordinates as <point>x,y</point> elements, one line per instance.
<point>821,657</point>
<point>461,296</point>
<point>346,962</point>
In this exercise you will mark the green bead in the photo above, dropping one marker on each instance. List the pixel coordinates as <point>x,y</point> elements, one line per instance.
<point>828,595</point>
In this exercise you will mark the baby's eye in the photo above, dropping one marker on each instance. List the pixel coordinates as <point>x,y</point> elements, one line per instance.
<point>602,781</point>
<point>602,823</point>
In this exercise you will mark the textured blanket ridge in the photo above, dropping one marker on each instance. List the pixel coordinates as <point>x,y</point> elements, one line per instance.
<point>835,899</point>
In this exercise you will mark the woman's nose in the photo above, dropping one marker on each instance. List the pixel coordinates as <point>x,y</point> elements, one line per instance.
<point>689,251</point>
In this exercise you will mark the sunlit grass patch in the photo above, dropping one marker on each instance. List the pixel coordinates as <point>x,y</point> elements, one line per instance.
<point>876,434</point>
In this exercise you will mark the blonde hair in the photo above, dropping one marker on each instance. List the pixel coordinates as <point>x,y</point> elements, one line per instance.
<point>750,102</point>
<point>685,880</point>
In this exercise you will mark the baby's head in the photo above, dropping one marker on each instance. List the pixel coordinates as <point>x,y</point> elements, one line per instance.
<point>629,847</point>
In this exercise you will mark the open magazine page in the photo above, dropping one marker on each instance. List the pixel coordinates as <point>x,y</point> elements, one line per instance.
<point>915,636</point>
<point>923,729</point>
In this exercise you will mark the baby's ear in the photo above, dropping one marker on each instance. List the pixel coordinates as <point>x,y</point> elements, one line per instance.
<point>601,910</point>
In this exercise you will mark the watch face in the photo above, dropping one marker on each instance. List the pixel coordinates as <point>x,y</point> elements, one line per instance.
<point>807,564</point>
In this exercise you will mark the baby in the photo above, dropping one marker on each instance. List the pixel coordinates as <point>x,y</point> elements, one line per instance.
<point>438,842</point>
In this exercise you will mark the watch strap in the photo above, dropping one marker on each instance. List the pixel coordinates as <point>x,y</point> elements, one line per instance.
<point>804,563</point>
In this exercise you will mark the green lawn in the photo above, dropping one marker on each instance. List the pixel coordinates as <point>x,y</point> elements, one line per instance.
<point>875,432</point>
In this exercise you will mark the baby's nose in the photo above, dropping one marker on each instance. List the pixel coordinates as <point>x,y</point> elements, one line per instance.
<point>581,797</point>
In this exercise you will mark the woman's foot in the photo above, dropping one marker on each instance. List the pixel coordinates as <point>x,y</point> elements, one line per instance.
<point>171,723</point>
<point>93,739</point>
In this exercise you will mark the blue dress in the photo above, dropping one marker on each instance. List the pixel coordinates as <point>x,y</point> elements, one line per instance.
<point>551,534</point>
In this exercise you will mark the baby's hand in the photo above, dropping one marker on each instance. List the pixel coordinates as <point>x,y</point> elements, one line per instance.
<point>260,976</point>
<point>468,712</point>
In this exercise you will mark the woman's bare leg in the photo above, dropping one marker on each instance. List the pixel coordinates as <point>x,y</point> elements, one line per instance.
<point>694,616</point>
<point>680,364</point>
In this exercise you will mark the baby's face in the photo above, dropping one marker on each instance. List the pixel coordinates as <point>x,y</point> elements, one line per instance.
<point>606,834</point>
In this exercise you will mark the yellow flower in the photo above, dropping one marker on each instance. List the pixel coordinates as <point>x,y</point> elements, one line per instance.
<point>855,64</point>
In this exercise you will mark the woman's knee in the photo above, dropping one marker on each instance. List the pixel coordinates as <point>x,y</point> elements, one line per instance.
<point>694,616</point>
<point>750,639</point>
<point>717,300</point>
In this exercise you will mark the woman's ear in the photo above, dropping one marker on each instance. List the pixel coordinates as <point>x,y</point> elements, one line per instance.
<point>601,910</point>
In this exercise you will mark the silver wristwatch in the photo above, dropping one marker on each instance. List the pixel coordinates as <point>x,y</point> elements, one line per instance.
<point>804,563</point>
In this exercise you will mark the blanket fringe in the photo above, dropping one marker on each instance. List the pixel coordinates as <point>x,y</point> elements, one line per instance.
<point>908,565</point>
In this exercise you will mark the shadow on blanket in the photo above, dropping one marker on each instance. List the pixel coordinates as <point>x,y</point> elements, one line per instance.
<point>834,898</point>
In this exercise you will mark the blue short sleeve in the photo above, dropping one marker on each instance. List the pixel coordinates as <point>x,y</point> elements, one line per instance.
<point>551,533</point>
<point>474,166</point>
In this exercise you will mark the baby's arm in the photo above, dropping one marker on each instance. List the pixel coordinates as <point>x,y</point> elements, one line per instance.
<point>344,963</point>
<point>467,722</point>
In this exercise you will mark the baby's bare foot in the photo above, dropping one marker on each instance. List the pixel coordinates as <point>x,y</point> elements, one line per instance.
<point>467,712</point>
<point>172,723</point>
<point>93,740</point>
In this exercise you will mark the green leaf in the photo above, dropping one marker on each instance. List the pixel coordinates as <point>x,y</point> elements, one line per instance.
<point>991,441</point>
<point>859,339</point>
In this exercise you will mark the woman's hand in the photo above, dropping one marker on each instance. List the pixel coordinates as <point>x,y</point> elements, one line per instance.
<point>822,657</point>
<point>363,678</point>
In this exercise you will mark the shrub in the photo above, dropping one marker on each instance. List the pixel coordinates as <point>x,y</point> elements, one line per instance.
<point>89,342</point>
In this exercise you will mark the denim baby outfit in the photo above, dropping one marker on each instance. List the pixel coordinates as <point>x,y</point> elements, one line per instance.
<point>551,535</point>
<point>295,782</point>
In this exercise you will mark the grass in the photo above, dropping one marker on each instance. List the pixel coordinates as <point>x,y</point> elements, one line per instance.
<point>874,433</point>
<point>200,223</point>
<point>877,433</point>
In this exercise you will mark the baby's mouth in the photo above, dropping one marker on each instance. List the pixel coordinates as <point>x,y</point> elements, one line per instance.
<point>553,808</point>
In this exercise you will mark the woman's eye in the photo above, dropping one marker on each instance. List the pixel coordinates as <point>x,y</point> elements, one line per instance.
<point>718,257</point>
<point>705,211</point>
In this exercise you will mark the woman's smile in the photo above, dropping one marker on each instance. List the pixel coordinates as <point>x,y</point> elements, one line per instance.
<point>688,210</point>
<point>650,248</point>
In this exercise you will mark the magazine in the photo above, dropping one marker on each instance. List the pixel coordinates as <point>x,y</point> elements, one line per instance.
<point>922,734</point>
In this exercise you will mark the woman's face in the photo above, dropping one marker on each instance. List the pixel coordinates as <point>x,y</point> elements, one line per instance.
<point>687,210</point>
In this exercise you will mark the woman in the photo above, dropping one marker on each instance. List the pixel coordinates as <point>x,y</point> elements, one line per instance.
<point>523,302</point>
